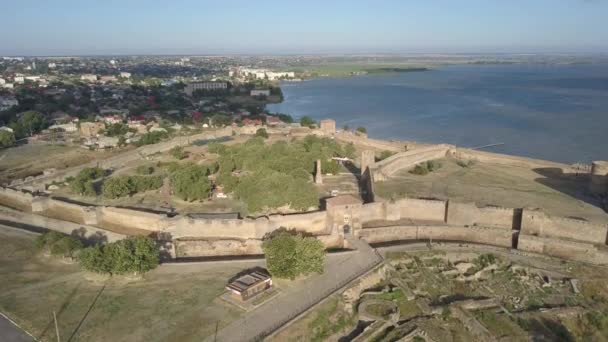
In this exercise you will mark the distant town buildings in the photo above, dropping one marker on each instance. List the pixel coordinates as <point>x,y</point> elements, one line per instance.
<point>108,78</point>
<point>260,92</point>
<point>211,85</point>
<point>88,77</point>
<point>261,74</point>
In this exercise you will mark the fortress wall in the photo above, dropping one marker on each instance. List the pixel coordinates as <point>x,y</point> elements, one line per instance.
<point>598,184</point>
<point>63,210</point>
<point>131,218</point>
<point>487,236</point>
<point>565,249</point>
<point>420,209</point>
<point>468,214</point>
<point>83,231</point>
<point>409,159</point>
<point>16,199</point>
<point>200,248</point>
<point>505,159</point>
<point>348,137</point>
<point>540,224</point>
<point>374,211</point>
<point>314,222</point>
<point>218,228</point>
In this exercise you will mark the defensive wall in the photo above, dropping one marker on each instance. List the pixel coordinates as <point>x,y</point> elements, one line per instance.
<point>386,168</point>
<point>379,222</point>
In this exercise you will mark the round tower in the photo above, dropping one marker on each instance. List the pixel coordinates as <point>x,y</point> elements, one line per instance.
<point>598,184</point>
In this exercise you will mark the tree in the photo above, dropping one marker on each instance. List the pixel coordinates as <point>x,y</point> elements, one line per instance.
<point>306,121</point>
<point>191,183</point>
<point>82,184</point>
<point>7,138</point>
<point>289,255</point>
<point>361,130</point>
<point>261,132</point>
<point>349,150</point>
<point>66,247</point>
<point>135,254</point>
<point>116,187</point>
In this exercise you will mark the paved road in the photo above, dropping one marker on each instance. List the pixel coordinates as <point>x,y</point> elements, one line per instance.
<point>11,333</point>
<point>339,270</point>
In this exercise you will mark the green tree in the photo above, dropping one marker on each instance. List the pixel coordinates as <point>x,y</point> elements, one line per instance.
<point>66,247</point>
<point>82,184</point>
<point>349,150</point>
<point>145,170</point>
<point>7,138</point>
<point>261,132</point>
<point>289,255</point>
<point>306,121</point>
<point>135,254</point>
<point>117,129</point>
<point>361,130</point>
<point>116,187</point>
<point>191,183</point>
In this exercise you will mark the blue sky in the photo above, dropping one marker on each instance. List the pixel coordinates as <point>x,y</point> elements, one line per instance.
<point>64,27</point>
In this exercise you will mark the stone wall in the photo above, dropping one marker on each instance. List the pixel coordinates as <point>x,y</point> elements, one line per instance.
<point>598,184</point>
<point>468,214</point>
<point>357,139</point>
<point>537,223</point>
<point>406,160</point>
<point>130,218</point>
<point>418,209</point>
<point>350,296</point>
<point>573,250</point>
<point>486,236</point>
<point>16,199</point>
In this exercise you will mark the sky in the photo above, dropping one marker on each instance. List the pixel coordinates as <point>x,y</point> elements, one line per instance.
<point>89,27</point>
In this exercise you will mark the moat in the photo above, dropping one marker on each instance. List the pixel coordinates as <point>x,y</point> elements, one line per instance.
<point>553,112</point>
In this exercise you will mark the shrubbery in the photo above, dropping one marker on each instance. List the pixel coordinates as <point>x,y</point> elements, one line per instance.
<point>289,255</point>
<point>261,132</point>
<point>59,244</point>
<point>152,138</point>
<point>145,170</point>
<point>178,153</point>
<point>426,167</point>
<point>190,183</point>
<point>384,155</point>
<point>134,254</point>
<point>82,184</point>
<point>121,186</point>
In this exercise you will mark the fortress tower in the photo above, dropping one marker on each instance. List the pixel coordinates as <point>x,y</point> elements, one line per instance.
<point>367,158</point>
<point>598,184</point>
<point>328,126</point>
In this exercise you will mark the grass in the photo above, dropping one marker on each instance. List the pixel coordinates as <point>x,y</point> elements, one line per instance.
<point>168,304</point>
<point>501,325</point>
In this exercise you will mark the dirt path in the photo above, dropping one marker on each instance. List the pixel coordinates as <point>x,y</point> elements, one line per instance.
<point>339,270</point>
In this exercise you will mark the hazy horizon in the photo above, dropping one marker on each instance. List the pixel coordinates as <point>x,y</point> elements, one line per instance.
<point>188,27</point>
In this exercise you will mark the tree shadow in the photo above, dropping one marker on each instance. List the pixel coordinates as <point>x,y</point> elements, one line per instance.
<point>545,329</point>
<point>89,240</point>
<point>64,305</point>
<point>574,185</point>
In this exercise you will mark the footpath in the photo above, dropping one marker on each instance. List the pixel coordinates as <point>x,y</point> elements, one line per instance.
<point>291,302</point>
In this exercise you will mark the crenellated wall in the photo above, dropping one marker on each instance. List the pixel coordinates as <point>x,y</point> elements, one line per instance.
<point>537,223</point>
<point>468,214</point>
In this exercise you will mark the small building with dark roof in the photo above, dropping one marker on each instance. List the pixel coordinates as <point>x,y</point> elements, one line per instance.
<point>250,283</point>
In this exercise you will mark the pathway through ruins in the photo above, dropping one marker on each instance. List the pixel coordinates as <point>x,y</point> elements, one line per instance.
<point>339,271</point>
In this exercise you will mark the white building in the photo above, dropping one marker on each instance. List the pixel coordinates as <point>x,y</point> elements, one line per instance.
<point>68,127</point>
<point>19,79</point>
<point>2,81</point>
<point>260,74</point>
<point>88,77</point>
<point>52,65</point>
<point>125,74</point>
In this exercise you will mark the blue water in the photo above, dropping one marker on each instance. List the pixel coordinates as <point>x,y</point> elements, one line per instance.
<point>553,112</point>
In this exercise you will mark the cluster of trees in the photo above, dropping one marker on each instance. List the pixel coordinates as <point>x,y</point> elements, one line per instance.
<point>271,176</point>
<point>116,130</point>
<point>425,167</point>
<point>289,254</point>
<point>307,121</point>
<point>191,182</point>
<point>152,138</point>
<point>135,254</point>
<point>121,186</point>
<point>59,244</point>
<point>28,124</point>
<point>7,138</point>
<point>82,184</point>
<point>384,154</point>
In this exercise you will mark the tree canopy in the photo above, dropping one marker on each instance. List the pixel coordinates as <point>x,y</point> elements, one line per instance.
<point>135,254</point>
<point>7,138</point>
<point>190,183</point>
<point>290,254</point>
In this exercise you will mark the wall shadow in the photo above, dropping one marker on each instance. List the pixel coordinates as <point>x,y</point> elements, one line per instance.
<point>574,185</point>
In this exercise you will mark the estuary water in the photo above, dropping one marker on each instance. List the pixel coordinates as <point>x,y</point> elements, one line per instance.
<point>553,112</point>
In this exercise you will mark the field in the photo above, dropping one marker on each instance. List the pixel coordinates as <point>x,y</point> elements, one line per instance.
<point>350,69</point>
<point>493,184</point>
<point>171,303</point>
<point>30,160</point>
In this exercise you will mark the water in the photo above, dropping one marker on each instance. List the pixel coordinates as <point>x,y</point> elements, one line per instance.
<point>553,112</point>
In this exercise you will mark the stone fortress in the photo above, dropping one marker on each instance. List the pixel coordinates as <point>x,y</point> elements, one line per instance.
<point>371,219</point>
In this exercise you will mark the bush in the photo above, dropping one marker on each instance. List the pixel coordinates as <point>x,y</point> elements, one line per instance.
<point>330,166</point>
<point>384,155</point>
<point>145,170</point>
<point>261,132</point>
<point>290,255</point>
<point>67,247</point>
<point>306,121</point>
<point>191,183</point>
<point>362,130</point>
<point>178,153</point>
<point>6,138</point>
<point>121,186</point>
<point>135,254</point>
<point>47,239</point>
<point>465,164</point>
<point>426,167</point>
<point>152,138</point>
<point>82,184</point>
